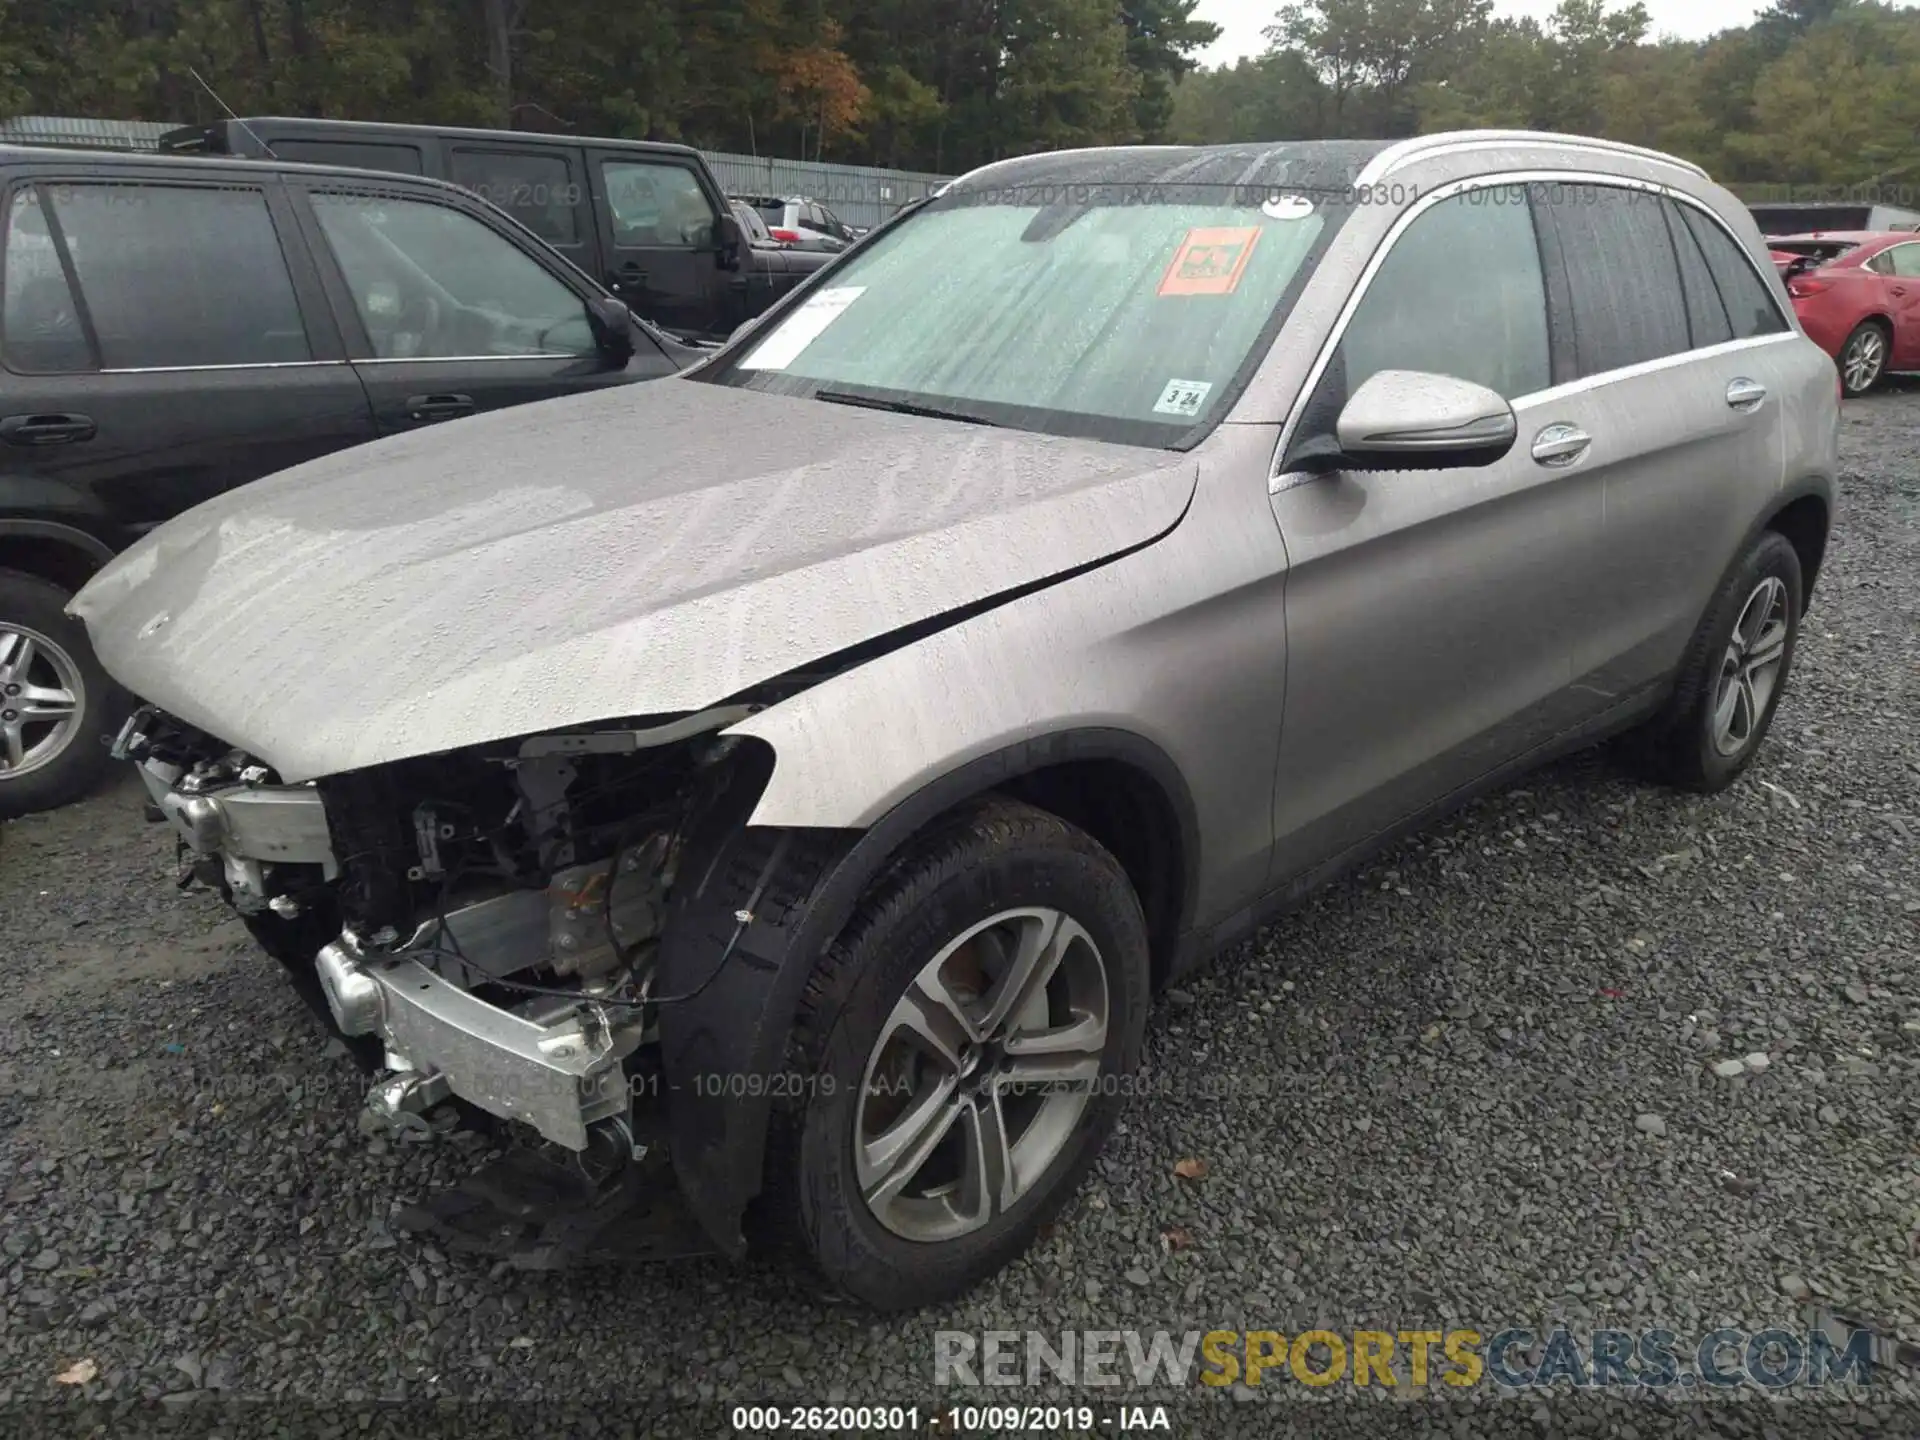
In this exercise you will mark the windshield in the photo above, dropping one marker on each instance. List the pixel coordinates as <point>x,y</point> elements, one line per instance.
<point>1132,313</point>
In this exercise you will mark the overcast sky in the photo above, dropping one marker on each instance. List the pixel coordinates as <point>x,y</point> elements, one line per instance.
<point>1241,21</point>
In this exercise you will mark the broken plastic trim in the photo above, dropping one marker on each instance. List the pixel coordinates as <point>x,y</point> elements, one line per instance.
<point>628,742</point>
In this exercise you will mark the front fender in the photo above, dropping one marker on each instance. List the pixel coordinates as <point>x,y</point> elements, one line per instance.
<point>755,907</point>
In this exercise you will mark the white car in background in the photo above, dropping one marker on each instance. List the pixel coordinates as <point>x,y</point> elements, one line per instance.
<point>804,224</point>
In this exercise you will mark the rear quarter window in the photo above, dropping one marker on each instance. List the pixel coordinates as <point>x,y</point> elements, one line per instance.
<point>1749,301</point>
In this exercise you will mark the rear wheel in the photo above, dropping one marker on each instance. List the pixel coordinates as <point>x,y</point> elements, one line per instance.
<point>1733,676</point>
<point>1863,359</point>
<point>56,703</point>
<point>959,1057</point>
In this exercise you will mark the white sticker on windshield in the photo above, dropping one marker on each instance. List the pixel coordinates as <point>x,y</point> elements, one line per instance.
<point>802,328</point>
<point>1183,398</point>
<point>1287,207</point>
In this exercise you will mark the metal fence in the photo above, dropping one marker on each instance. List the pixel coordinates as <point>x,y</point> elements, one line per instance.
<point>858,194</point>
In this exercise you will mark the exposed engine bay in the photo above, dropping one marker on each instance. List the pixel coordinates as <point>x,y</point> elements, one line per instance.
<point>491,917</point>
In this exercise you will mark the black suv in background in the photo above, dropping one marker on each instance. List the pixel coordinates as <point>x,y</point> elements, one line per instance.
<point>649,220</point>
<point>172,328</point>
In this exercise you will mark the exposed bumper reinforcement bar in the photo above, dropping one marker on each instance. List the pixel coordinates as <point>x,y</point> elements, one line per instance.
<point>560,1073</point>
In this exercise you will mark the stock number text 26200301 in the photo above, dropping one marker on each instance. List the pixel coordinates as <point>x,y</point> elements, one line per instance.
<point>958,1420</point>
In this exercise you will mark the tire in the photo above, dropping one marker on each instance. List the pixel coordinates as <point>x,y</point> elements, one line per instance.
<point>1696,744</point>
<point>996,861</point>
<point>1863,359</point>
<point>48,763</point>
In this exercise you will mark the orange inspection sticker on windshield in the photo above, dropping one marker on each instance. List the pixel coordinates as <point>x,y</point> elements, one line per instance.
<point>1210,262</point>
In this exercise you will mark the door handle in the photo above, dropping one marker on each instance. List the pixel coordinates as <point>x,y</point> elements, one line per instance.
<point>1899,289</point>
<point>426,408</point>
<point>1744,394</point>
<point>1560,445</point>
<point>630,274</point>
<point>47,429</point>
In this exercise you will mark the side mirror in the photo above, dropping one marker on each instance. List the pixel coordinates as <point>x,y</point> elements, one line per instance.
<point>1412,420</point>
<point>612,326</point>
<point>727,233</point>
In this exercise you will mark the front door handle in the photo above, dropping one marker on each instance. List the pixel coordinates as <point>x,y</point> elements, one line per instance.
<point>425,409</point>
<point>1561,445</point>
<point>1744,394</point>
<point>47,429</point>
<point>629,276</point>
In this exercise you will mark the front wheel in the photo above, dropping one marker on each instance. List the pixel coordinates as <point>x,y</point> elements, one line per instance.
<point>960,1057</point>
<point>56,703</point>
<point>1863,359</point>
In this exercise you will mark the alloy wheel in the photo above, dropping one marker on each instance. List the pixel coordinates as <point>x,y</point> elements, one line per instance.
<point>1750,671</point>
<point>1864,357</point>
<point>981,1074</point>
<point>42,699</point>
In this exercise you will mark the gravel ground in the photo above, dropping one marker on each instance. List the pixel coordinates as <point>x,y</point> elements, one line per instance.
<point>1424,1099</point>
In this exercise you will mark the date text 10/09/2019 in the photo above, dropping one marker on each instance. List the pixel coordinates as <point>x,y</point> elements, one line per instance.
<point>953,1420</point>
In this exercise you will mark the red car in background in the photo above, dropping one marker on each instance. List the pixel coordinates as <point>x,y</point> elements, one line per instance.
<point>1857,293</point>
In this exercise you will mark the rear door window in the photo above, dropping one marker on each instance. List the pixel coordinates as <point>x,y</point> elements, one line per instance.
<point>40,329</point>
<point>1623,275</point>
<point>1906,260</point>
<point>539,190</point>
<point>176,276</point>
<point>1749,300</point>
<point>1484,320</point>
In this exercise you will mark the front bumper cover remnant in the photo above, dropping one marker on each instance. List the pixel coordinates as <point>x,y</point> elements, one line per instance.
<point>560,1074</point>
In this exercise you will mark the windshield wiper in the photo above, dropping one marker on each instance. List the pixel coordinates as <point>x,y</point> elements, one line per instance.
<point>898,407</point>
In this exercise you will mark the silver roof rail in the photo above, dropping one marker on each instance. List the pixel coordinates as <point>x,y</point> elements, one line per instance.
<point>1420,145</point>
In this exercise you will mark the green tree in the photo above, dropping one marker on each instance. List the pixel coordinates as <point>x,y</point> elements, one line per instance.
<point>1277,96</point>
<point>1162,36</point>
<point>1066,81</point>
<point>1840,106</point>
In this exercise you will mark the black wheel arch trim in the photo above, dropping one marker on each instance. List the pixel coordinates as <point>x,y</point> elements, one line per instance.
<point>89,544</point>
<point>732,986</point>
<point>1810,487</point>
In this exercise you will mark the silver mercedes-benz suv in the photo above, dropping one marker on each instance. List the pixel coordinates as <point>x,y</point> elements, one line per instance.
<point>809,767</point>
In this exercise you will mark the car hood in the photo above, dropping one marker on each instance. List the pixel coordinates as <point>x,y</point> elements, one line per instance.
<point>641,551</point>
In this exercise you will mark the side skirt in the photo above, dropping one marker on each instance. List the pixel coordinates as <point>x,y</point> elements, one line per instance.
<point>1199,947</point>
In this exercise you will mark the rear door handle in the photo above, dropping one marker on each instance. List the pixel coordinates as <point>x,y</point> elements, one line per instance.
<point>1561,445</point>
<point>47,429</point>
<point>1744,394</point>
<point>427,408</point>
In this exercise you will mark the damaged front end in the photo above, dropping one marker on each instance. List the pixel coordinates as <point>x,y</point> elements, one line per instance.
<point>491,919</point>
